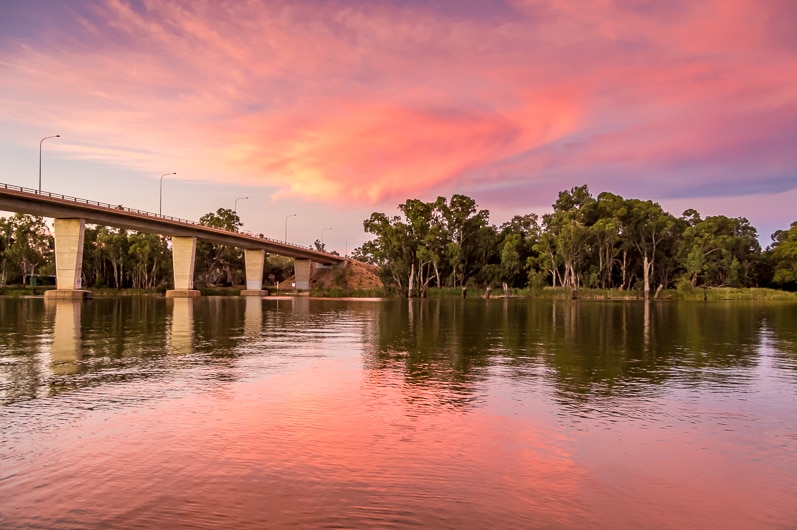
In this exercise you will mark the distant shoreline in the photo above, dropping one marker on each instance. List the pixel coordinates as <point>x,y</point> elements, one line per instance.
<point>547,293</point>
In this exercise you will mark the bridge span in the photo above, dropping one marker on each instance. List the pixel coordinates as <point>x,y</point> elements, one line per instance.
<point>71,214</point>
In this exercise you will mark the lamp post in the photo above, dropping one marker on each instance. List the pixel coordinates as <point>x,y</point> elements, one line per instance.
<point>40,158</point>
<point>347,246</point>
<point>160,202</point>
<point>235,208</point>
<point>286,226</point>
<point>322,235</point>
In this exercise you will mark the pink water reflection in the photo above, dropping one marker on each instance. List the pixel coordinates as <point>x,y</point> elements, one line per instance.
<point>315,437</point>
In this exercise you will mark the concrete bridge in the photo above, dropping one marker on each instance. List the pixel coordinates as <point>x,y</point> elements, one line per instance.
<point>71,214</point>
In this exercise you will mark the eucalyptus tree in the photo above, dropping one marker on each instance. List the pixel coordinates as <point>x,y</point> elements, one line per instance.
<point>567,236</point>
<point>113,247</point>
<point>27,244</point>
<point>151,260</point>
<point>784,255</point>
<point>6,238</point>
<point>424,237</point>
<point>610,241</point>
<point>93,264</point>
<point>105,256</point>
<point>648,225</point>
<point>723,251</point>
<point>466,228</point>
<point>438,241</point>
<point>390,250</point>
<point>515,247</point>
<point>216,261</point>
<point>408,248</point>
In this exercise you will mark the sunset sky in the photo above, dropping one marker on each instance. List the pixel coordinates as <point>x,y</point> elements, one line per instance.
<point>333,110</point>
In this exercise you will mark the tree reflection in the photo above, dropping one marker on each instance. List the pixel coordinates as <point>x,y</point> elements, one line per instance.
<point>441,352</point>
<point>584,350</point>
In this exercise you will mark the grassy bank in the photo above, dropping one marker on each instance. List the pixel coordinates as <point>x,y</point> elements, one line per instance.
<point>19,290</point>
<point>338,292</point>
<point>560,293</point>
<point>546,293</point>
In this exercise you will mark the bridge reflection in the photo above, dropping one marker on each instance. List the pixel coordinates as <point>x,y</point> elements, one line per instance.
<point>181,333</point>
<point>253,316</point>
<point>66,349</point>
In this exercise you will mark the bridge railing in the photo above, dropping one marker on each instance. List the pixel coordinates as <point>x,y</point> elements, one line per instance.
<point>119,207</point>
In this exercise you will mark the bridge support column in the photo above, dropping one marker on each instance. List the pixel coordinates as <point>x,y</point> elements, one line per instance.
<point>68,260</point>
<point>255,259</point>
<point>301,268</point>
<point>183,255</point>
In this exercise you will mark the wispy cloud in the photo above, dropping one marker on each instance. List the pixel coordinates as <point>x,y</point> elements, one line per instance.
<point>380,101</point>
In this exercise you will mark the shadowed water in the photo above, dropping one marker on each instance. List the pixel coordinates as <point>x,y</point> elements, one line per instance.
<point>250,413</point>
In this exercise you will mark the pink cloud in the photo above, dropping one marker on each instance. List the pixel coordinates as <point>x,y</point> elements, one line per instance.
<point>383,102</point>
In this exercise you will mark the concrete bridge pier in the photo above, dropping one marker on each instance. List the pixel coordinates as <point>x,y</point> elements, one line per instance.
<point>254,259</point>
<point>183,256</point>
<point>301,269</point>
<point>68,260</point>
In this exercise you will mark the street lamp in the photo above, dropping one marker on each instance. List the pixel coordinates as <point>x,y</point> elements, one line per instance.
<point>286,226</point>
<point>40,158</point>
<point>160,203</point>
<point>347,246</point>
<point>235,208</point>
<point>322,235</point>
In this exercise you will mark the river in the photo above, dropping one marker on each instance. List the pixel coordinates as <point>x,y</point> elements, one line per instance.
<point>310,413</point>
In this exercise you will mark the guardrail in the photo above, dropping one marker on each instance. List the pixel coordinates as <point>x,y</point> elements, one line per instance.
<point>119,207</point>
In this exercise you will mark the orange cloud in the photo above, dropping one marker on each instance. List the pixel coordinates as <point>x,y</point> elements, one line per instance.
<point>377,102</point>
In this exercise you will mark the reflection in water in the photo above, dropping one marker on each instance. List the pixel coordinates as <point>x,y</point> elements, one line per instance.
<point>301,305</point>
<point>182,331</point>
<point>66,348</point>
<point>253,323</point>
<point>253,413</point>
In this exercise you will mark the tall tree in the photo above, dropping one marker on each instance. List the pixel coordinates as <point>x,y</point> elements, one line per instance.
<point>30,244</point>
<point>465,223</point>
<point>515,246</point>
<point>784,255</point>
<point>215,261</point>
<point>649,225</point>
<point>151,260</point>
<point>573,212</point>
<point>114,248</point>
<point>720,250</point>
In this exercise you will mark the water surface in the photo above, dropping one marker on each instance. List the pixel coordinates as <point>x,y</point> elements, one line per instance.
<point>250,413</point>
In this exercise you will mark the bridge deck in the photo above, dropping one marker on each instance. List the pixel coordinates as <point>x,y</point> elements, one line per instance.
<point>55,205</point>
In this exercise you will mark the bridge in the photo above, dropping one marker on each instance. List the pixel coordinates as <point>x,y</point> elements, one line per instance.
<point>70,215</point>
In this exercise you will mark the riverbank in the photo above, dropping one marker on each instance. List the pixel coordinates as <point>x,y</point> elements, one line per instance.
<point>546,293</point>
<point>561,293</point>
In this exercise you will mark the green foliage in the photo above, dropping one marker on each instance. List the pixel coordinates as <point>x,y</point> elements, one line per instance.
<point>223,218</point>
<point>25,245</point>
<point>608,242</point>
<point>784,255</point>
<point>219,264</point>
<point>277,269</point>
<point>719,251</point>
<point>440,243</point>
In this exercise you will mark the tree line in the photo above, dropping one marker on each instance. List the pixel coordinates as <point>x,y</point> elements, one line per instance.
<point>603,242</point>
<point>119,258</point>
